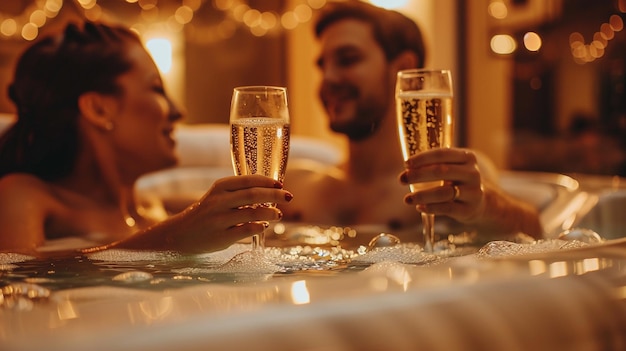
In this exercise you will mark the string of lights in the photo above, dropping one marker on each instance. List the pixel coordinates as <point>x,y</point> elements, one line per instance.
<point>582,52</point>
<point>27,24</point>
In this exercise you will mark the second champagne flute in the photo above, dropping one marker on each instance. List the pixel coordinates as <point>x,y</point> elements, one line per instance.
<point>424,116</point>
<point>259,121</point>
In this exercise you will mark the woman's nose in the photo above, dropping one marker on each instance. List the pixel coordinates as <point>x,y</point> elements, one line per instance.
<point>175,113</point>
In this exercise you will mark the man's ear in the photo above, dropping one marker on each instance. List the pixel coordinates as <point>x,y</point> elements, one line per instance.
<point>405,60</point>
<point>96,109</point>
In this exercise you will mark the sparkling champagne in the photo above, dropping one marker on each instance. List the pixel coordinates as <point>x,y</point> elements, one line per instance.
<point>424,122</point>
<point>260,146</point>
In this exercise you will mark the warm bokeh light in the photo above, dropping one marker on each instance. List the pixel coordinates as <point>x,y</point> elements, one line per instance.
<point>289,20</point>
<point>390,4</point>
<point>38,18</point>
<point>600,40</point>
<point>535,83</point>
<point>192,4</point>
<point>184,14</point>
<point>268,20</point>
<point>316,4</point>
<point>532,41</point>
<point>300,293</point>
<point>616,23</point>
<point>147,4</point>
<point>87,4</point>
<point>175,18</point>
<point>585,53</point>
<point>8,27</point>
<point>303,13</point>
<point>503,44</point>
<point>576,38</point>
<point>498,10</point>
<point>30,31</point>
<point>606,31</point>
<point>94,13</point>
<point>161,51</point>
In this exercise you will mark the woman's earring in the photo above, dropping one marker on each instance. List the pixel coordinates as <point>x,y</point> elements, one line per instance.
<point>108,126</point>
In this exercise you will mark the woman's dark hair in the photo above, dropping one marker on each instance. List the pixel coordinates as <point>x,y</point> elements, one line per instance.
<point>49,77</point>
<point>394,32</point>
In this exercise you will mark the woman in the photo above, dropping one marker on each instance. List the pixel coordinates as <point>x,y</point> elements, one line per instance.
<point>93,117</point>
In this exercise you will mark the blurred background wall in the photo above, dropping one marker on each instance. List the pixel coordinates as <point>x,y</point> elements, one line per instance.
<point>539,84</point>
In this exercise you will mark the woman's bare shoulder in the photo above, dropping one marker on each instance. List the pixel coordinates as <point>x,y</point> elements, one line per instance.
<point>21,189</point>
<point>20,182</point>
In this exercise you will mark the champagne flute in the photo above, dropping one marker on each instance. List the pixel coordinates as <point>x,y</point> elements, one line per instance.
<point>259,139</point>
<point>424,117</point>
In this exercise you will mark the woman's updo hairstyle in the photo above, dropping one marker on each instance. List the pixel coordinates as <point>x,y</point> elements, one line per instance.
<point>49,77</point>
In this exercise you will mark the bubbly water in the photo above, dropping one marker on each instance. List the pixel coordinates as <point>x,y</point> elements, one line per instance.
<point>24,280</point>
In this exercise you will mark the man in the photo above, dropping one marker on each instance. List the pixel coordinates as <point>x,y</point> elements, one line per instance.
<point>362,49</point>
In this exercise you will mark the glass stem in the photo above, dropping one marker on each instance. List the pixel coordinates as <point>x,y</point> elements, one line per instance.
<point>258,241</point>
<point>428,226</point>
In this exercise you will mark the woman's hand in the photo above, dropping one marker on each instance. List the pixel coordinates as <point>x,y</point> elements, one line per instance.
<point>461,195</point>
<point>224,215</point>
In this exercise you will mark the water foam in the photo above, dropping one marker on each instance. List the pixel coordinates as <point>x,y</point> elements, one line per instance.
<point>508,248</point>
<point>121,255</point>
<point>9,258</point>
<point>404,253</point>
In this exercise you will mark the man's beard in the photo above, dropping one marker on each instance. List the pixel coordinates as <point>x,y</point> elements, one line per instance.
<point>367,116</point>
<point>359,128</point>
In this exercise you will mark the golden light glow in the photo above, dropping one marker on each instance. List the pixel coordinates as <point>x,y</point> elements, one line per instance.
<point>161,51</point>
<point>503,44</point>
<point>184,14</point>
<point>303,13</point>
<point>584,53</point>
<point>300,293</point>
<point>537,267</point>
<point>616,23</point>
<point>30,31</point>
<point>532,41</point>
<point>390,4</point>
<point>38,18</point>
<point>591,265</point>
<point>66,310</point>
<point>289,20</point>
<point>316,4</point>
<point>497,9</point>
<point>237,13</point>
<point>8,27</point>
<point>558,269</point>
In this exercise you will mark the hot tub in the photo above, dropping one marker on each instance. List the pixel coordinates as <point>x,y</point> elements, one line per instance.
<point>562,299</point>
<point>543,296</point>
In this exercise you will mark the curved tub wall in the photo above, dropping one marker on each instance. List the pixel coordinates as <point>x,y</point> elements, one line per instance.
<point>208,145</point>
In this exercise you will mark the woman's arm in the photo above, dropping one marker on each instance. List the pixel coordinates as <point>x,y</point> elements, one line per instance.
<point>23,211</point>
<point>223,216</point>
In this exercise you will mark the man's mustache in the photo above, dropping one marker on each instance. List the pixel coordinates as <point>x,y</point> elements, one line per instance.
<point>338,91</point>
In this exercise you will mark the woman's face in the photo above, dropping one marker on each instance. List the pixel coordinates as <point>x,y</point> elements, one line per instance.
<point>144,118</point>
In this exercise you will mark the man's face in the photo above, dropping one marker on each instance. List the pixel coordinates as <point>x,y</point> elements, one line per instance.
<point>357,85</point>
